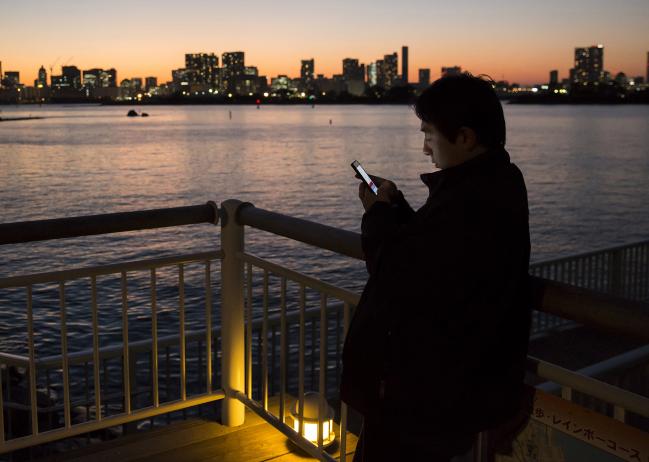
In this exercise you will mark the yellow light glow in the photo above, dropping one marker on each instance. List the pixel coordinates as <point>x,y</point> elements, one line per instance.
<point>229,95</point>
<point>311,430</point>
<point>265,94</point>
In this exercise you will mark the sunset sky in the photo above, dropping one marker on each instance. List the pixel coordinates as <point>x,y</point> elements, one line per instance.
<point>519,41</point>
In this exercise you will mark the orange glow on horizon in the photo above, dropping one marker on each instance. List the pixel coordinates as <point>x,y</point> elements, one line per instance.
<point>517,41</point>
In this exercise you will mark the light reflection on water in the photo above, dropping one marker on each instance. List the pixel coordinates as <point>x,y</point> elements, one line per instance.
<point>586,170</point>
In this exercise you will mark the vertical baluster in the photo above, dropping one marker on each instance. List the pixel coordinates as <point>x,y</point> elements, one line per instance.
<point>208,322</point>
<point>64,355</point>
<point>636,270</point>
<point>95,346</point>
<point>264,347</point>
<point>2,407</point>
<point>338,367</point>
<point>249,331</point>
<point>272,360</point>
<point>259,361</point>
<point>9,398</point>
<point>313,342</point>
<point>282,352</point>
<point>322,388</point>
<point>154,337</point>
<point>125,364</point>
<point>343,406</point>
<point>86,381</point>
<point>105,384</point>
<point>32,364</point>
<point>644,274</point>
<point>181,306</point>
<point>301,354</point>
<point>167,378</point>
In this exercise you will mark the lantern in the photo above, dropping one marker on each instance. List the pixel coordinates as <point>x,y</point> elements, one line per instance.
<point>310,419</point>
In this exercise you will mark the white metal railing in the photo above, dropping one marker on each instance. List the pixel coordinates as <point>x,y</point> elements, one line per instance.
<point>325,291</point>
<point>239,296</point>
<point>622,271</point>
<point>125,352</point>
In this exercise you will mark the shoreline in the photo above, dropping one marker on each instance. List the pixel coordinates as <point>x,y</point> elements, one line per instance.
<point>14,119</point>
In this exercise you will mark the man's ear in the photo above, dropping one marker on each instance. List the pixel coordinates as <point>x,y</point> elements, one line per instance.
<point>467,138</point>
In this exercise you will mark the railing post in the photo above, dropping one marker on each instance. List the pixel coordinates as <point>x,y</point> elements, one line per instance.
<point>615,272</point>
<point>232,314</point>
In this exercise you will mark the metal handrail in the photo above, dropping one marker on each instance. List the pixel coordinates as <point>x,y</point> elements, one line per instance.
<point>605,312</point>
<point>326,237</point>
<point>630,401</point>
<point>60,228</point>
<point>590,253</point>
<point>78,273</point>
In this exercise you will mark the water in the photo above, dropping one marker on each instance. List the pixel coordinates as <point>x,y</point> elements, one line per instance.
<point>586,169</point>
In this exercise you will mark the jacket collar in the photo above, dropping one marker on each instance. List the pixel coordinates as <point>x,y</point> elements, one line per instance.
<point>488,159</point>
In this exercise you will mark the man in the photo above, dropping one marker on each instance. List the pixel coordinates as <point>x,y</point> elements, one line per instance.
<point>435,352</point>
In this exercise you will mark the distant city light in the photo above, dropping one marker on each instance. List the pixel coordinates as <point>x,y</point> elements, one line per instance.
<point>265,94</point>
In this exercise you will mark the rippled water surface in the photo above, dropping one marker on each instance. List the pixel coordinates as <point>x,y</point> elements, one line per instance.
<point>586,168</point>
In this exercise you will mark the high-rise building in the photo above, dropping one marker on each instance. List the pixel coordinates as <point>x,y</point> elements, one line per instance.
<point>451,70</point>
<point>150,82</point>
<point>12,78</point>
<point>92,78</point>
<point>554,78</point>
<point>41,81</point>
<point>371,74</point>
<point>205,66</point>
<point>307,68</point>
<point>589,65</point>
<point>233,69</point>
<point>404,65</point>
<point>387,71</point>
<point>109,78</point>
<point>647,77</point>
<point>424,77</point>
<point>71,77</point>
<point>352,70</point>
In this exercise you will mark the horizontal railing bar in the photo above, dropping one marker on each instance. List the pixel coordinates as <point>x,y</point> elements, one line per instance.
<point>79,273</point>
<point>115,350</point>
<point>90,225</point>
<point>316,234</point>
<point>111,421</point>
<point>587,254</point>
<point>625,361</point>
<point>597,389</point>
<point>294,436</point>
<point>334,291</point>
<point>601,311</point>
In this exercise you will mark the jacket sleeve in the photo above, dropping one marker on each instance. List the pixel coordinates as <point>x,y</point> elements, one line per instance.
<point>380,224</point>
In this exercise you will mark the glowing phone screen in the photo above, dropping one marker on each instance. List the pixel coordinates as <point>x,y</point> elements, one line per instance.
<point>361,171</point>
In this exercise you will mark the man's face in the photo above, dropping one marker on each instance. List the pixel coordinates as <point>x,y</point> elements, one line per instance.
<point>442,152</point>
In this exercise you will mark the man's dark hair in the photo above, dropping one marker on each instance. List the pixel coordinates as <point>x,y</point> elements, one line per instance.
<point>464,100</point>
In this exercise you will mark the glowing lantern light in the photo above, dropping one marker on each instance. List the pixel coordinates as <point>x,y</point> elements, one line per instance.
<point>310,419</point>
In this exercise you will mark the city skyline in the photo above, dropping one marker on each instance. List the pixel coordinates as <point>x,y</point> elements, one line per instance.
<point>518,42</point>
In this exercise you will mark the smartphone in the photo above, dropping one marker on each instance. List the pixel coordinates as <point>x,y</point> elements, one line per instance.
<point>358,168</point>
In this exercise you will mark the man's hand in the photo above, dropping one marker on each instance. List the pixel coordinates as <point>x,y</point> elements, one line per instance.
<point>387,192</point>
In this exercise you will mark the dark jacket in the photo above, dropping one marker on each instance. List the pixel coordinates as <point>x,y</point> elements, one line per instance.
<point>440,335</point>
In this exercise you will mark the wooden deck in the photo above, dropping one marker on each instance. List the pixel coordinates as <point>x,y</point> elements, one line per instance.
<point>202,440</point>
